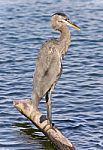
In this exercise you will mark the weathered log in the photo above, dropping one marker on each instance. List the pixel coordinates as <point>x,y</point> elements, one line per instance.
<point>40,121</point>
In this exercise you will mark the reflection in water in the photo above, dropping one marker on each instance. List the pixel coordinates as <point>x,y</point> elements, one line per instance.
<point>33,136</point>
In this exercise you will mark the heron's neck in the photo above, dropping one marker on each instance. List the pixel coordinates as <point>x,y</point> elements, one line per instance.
<point>64,39</point>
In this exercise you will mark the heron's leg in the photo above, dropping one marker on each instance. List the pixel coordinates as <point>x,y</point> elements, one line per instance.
<point>48,103</point>
<point>49,108</point>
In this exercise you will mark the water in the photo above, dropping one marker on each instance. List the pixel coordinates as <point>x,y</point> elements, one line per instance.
<point>78,96</point>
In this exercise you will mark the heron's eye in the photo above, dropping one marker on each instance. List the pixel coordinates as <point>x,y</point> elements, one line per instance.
<point>66,19</point>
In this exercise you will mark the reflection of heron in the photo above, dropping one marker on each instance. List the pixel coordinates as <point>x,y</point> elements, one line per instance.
<point>48,66</point>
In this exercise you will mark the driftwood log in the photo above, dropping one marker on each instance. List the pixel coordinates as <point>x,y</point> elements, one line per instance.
<point>40,121</point>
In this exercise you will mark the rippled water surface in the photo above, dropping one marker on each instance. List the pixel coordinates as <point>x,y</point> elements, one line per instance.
<point>78,96</point>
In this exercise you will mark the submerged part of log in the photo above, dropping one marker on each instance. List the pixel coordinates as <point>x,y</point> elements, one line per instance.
<point>40,121</point>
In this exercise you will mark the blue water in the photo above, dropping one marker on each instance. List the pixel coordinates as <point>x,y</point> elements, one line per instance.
<point>78,97</point>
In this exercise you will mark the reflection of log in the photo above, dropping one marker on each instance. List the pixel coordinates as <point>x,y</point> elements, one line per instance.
<point>40,121</point>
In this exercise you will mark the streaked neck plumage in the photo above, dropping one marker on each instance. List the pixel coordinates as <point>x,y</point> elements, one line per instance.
<point>64,39</point>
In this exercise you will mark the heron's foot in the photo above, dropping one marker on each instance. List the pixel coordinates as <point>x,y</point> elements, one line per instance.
<point>51,125</point>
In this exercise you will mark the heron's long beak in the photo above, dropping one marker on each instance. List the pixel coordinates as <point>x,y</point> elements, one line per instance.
<point>71,24</point>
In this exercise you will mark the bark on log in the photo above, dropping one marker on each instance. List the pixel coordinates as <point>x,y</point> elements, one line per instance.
<point>40,121</point>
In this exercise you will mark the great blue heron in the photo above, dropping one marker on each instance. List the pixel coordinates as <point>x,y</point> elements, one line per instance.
<point>49,62</point>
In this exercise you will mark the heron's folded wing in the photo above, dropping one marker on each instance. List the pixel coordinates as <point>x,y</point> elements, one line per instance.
<point>48,68</point>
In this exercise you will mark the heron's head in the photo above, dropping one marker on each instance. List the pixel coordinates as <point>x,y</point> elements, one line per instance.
<point>60,19</point>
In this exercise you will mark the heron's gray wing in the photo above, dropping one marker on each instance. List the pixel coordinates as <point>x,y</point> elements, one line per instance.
<point>48,68</point>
